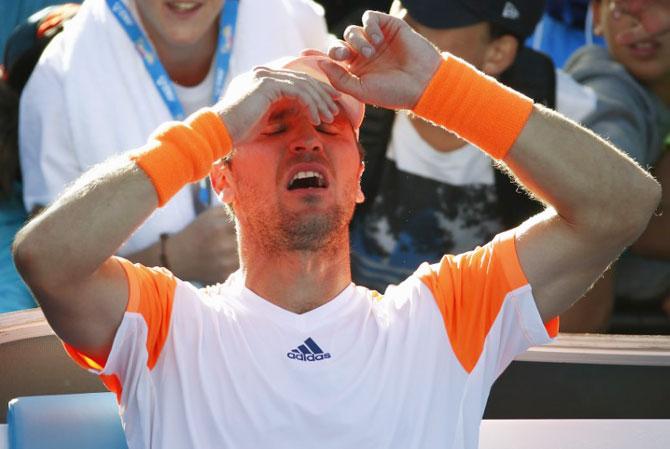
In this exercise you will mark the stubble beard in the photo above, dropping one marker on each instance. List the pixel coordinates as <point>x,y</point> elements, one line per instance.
<point>311,233</point>
<point>284,230</point>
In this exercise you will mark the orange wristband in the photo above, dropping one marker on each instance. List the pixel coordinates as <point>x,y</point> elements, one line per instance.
<point>475,106</point>
<point>179,153</point>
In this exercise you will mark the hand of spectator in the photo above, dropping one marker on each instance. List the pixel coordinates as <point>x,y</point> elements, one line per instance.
<point>389,64</point>
<point>206,250</point>
<point>251,95</point>
<point>653,18</point>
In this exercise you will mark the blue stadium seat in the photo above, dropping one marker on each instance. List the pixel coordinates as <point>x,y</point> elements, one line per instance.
<point>82,421</point>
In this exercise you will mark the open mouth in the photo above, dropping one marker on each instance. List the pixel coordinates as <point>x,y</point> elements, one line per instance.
<point>307,180</point>
<point>645,48</point>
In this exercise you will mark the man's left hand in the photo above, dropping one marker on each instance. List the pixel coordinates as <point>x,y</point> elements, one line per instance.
<point>389,64</point>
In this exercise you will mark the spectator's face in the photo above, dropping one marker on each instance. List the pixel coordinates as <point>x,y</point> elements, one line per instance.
<point>648,60</point>
<point>273,186</point>
<point>472,43</point>
<point>179,22</point>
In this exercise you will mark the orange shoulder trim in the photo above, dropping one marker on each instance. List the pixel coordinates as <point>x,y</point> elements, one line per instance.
<point>469,290</point>
<point>151,294</point>
<point>113,384</point>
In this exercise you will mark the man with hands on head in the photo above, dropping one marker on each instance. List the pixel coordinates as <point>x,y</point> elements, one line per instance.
<point>288,352</point>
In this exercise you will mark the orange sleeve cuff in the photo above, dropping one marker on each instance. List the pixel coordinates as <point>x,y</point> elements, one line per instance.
<point>475,106</point>
<point>509,259</point>
<point>179,153</point>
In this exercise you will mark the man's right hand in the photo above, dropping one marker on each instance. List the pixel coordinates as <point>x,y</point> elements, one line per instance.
<point>251,95</point>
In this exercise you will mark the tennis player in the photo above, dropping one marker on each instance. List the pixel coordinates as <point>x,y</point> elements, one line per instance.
<point>288,353</point>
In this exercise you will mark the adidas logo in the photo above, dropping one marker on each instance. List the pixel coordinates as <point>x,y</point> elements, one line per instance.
<point>308,352</point>
<point>510,11</point>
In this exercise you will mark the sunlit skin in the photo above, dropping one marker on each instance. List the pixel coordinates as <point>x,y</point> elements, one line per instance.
<point>184,34</point>
<point>293,231</point>
<point>648,60</point>
<point>472,43</point>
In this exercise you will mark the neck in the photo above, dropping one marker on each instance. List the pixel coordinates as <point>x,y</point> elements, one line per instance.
<point>298,281</point>
<point>439,138</point>
<point>187,64</point>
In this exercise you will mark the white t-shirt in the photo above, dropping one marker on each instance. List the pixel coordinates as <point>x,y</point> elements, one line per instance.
<point>196,97</point>
<point>223,367</point>
<point>461,167</point>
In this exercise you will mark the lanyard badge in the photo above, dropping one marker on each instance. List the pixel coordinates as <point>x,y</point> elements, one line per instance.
<point>162,81</point>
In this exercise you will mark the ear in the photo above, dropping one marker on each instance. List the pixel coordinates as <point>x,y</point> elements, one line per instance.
<point>220,178</point>
<point>597,7</point>
<point>500,54</point>
<point>360,196</point>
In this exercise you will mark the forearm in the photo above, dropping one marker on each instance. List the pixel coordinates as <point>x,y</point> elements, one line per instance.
<point>71,239</point>
<point>588,182</point>
<point>591,185</point>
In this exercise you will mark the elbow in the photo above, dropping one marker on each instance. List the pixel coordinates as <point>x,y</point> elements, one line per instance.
<point>23,253</point>
<point>28,258</point>
<point>648,206</point>
<point>630,219</point>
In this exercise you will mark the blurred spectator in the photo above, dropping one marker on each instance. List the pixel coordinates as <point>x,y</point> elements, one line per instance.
<point>633,112</point>
<point>15,12</point>
<point>340,13</point>
<point>565,26</point>
<point>119,70</point>
<point>653,17</point>
<point>26,44</point>
<point>23,49</point>
<point>14,295</point>
<point>428,192</point>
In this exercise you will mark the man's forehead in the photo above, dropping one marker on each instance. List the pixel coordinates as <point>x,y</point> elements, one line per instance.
<point>284,111</point>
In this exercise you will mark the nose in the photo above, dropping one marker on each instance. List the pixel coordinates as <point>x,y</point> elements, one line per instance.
<point>307,139</point>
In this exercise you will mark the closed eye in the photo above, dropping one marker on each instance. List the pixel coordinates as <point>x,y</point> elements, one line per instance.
<point>328,128</point>
<point>274,129</point>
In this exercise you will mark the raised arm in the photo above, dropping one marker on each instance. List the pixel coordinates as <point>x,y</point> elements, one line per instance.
<point>65,254</point>
<point>599,199</point>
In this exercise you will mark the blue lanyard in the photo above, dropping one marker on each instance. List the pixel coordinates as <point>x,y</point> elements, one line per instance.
<point>162,81</point>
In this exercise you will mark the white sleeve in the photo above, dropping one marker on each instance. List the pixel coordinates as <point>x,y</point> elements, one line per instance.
<point>48,161</point>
